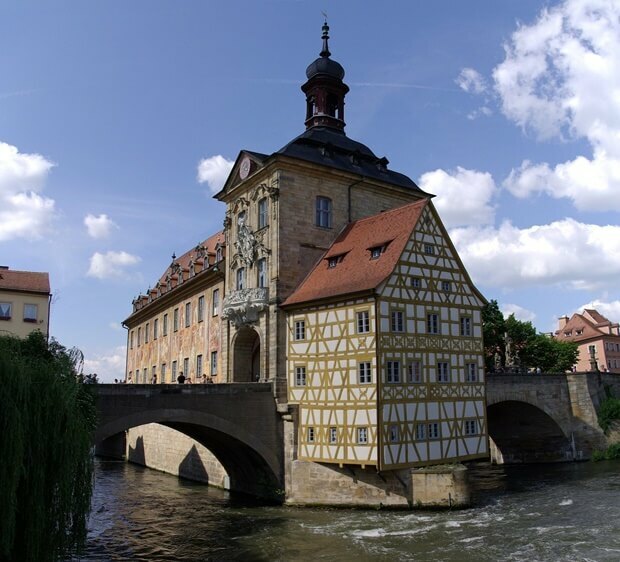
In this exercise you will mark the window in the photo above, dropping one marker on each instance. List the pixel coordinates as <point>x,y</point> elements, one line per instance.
<point>432,323</point>
<point>144,375</point>
<point>414,373</point>
<point>165,326</point>
<point>433,430</point>
<point>186,367</point>
<point>362,435</point>
<point>363,322</point>
<point>300,376</point>
<point>241,278</point>
<point>471,427</point>
<point>465,326</point>
<point>416,282</point>
<point>218,254</point>
<point>393,371</point>
<point>31,312</point>
<point>153,374</point>
<point>376,252</point>
<point>262,213</point>
<point>155,328</point>
<point>198,366</point>
<point>310,435</point>
<point>324,212</point>
<point>216,302</point>
<point>443,372</point>
<point>175,320</point>
<point>591,348</point>
<point>188,314</point>
<point>139,336</point>
<point>163,372</point>
<point>261,271</point>
<point>131,339</point>
<point>333,261</point>
<point>397,321</point>
<point>5,310</point>
<point>300,330</point>
<point>471,372</point>
<point>364,373</point>
<point>429,249</point>
<point>201,308</point>
<point>333,435</point>
<point>213,363</point>
<point>146,333</point>
<point>420,431</point>
<point>446,286</point>
<point>173,374</point>
<point>394,434</point>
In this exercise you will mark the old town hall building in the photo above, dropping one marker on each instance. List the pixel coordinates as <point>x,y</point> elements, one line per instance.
<point>335,279</point>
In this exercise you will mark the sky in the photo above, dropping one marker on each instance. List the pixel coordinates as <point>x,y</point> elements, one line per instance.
<point>120,120</point>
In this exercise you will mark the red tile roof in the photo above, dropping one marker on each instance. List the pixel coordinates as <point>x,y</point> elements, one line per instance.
<point>357,272</point>
<point>29,281</point>
<point>591,324</point>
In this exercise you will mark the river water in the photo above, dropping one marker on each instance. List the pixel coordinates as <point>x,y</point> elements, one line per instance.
<point>562,512</point>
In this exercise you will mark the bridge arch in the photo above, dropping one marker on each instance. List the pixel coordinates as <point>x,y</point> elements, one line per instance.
<point>238,424</point>
<point>522,432</point>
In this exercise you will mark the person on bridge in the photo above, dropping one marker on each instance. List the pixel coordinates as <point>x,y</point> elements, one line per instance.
<point>181,378</point>
<point>154,379</point>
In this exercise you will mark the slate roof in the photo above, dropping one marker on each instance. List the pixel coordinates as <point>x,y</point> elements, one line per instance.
<point>26,281</point>
<point>329,147</point>
<point>357,272</point>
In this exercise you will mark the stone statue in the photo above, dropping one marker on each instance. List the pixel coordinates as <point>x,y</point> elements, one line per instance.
<point>246,242</point>
<point>510,360</point>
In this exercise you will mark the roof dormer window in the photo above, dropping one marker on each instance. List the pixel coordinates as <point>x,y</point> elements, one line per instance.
<point>333,261</point>
<point>376,252</point>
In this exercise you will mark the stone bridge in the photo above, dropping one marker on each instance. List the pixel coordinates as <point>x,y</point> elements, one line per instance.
<point>238,423</point>
<point>546,417</point>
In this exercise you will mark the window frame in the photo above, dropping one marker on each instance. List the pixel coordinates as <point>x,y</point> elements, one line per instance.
<point>432,321</point>
<point>471,374</point>
<point>9,307</point>
<point>465,326</point>
<point>213,367</point>
<point>362,435</point>
<point>188,314</point>
<point>31,319</point>
<point>364,372</point>
<point>300,376</point>
<point>240,281</point>
<point>215,302</point>
<point>261,273</point>
<point>175,319</point>
<point>155,328</point>
<point>300,330</point>
<point>201,308</point>
<point>263,213</point>
<point>392,371</point>
<point>199,372</point>
<point>165,325</point>
<point>414,372</point>
<point>397,321</point>
<point>443,374</point>
<point>363,319</point>
<point>323,212</point>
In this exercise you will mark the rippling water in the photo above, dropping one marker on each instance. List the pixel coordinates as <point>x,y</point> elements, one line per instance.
<point>553,513</point>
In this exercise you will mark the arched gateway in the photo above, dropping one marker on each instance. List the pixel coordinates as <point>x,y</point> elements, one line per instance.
<point>246,356</point>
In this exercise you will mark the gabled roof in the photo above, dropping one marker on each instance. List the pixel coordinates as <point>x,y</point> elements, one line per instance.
<point>27,281</point>
<point>589,325</point>
<point>356,272</point>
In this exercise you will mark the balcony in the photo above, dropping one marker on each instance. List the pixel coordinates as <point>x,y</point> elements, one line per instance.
<point>242,307</point>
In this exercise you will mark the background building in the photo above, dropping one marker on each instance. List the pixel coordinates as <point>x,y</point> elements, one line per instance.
<point>598,339</point>
<point>24,302</point>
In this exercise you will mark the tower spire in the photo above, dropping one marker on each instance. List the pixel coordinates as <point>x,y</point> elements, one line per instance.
<point>325,51</point>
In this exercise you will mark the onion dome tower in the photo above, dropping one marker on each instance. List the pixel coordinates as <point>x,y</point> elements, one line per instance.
<point>325,90</point>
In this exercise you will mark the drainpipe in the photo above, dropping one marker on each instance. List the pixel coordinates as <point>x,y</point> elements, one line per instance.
<point>49,312</point>
<point>362,178</point>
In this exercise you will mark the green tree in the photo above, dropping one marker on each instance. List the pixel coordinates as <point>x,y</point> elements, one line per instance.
<point>46,422</point>
<point>493,329</point>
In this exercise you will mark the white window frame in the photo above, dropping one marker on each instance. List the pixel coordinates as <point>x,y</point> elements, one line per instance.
<point>363,322</point>
<point>198,367</point>
<point>240,279</point>
<point>323,212</point>
<point>261,272</point>
<point>215,302</point>
<point>310,434</point>
<point>263,215</point>
<point>30,317</point>
<point>465,326</point>
<point>471,372</point>
<point>362,435</point>
<point>433,430</point>
<point>432,323</point>
<point>397,321</point>
<point>420,432</point>
<point>201,308</point>
<point>300,330</point>
<point>333,435</point>
<point>300,375</point>
<point>364,372</point>
<point>392,370</point>
<point>414,372</point>
<point>470,427</point>
<point>7,310</point>
<point>443,371</point>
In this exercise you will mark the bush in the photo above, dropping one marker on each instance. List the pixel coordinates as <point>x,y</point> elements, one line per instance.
<point>611,453</point>
<point>608,412</point>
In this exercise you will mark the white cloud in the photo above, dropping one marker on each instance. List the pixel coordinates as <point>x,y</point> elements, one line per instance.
<point>463,196</point>
<point>24,213</point>
<point>520,313</point>
<point>471,81</point>
<point>561,78</point>
<point>108,366</point>
<point>214,171</point>
<point>610,310</point>
<point>565,253</point>
<point>99,227</point>
<point>111,264</point>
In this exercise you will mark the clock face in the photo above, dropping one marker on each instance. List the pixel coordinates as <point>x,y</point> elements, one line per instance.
<point>244,168</point>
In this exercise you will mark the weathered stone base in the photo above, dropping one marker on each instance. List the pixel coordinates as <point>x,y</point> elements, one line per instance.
<point>159,447</point>
<point>328,485</point>
<point>441,486</point>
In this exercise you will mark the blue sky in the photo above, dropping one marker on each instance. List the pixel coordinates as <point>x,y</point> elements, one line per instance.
<point>118,120</point>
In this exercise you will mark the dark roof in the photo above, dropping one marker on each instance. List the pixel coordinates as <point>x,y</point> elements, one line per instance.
<point>330,147</point>
<point>29,281</point>
<point>356,272</point>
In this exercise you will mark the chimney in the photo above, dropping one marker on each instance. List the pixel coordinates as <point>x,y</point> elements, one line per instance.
<point>562,321</point>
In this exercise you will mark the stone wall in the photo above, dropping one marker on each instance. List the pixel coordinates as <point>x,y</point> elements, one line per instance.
<point>168,450</point>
